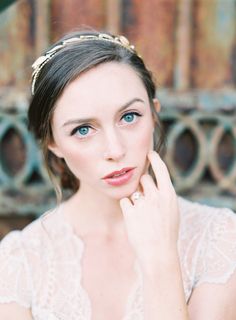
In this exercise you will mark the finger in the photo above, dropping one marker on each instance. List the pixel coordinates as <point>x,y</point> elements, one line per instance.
<point>148,185</point>
<point>160,170</point>
<point>125,205</point>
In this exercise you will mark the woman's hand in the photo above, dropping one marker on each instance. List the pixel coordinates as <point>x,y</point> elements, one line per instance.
<point>152,220</point>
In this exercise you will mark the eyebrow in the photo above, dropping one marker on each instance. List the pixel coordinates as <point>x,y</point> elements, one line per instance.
<point>125,106</point>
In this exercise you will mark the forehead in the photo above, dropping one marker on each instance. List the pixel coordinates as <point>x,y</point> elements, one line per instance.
<point>104,87</point>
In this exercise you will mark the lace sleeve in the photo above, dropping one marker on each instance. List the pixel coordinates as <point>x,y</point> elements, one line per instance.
<point>217,255</point>
<point>14,275</point>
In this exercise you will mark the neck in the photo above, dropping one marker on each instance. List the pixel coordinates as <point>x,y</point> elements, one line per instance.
<point>92,213</point>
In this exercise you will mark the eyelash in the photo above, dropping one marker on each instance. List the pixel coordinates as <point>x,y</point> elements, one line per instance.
<point>75,130</point>
<point>137,114</point>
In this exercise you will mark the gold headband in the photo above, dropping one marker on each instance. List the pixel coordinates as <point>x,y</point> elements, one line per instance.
<point>42,60</point>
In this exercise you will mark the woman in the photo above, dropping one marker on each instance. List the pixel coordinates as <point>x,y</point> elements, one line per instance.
<point>123,246</point>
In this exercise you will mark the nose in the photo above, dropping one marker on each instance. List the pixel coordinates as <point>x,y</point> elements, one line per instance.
<point>114,146</point>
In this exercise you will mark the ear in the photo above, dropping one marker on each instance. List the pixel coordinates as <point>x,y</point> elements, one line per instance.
<point>157,105</point>
<point>55,149</point>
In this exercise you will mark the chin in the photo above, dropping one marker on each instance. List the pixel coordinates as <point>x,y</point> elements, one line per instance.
<point>125,192</point>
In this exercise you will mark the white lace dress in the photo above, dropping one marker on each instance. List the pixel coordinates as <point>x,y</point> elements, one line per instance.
<point>40,268</point>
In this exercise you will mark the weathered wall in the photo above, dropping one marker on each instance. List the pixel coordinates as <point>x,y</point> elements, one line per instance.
<point>16,38</point>
<point>205,29</point>
<point>214,44</point>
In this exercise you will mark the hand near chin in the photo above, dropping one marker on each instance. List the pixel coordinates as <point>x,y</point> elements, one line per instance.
<point>152,220</point>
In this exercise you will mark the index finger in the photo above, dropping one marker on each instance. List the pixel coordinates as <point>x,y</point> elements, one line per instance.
<point>160,170</point>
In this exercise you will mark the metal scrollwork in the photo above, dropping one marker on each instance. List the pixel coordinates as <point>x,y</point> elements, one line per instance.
<point>225,180</point>
<point>211,176</point>
<point>201,157</point>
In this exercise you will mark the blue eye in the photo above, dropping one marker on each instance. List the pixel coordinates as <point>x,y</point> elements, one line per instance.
<point>130,117</point>
<point>83,130</point>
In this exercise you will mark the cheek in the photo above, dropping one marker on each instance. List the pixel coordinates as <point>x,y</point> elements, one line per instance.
<point>78,158</point>
<point>145,139</point>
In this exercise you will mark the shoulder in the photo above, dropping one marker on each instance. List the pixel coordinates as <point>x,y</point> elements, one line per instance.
<point>21,253</point>
<point>213,230</point>
<point>15,242</point>
<point>14,271</point>
<point>212,233</point>
<point>207,244</point>
<point>198,217</point>
<point>34,234</point>
<point>39,243</point>
<point>212,267</point>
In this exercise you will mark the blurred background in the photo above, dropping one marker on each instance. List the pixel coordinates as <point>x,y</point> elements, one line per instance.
<point>190,45</point>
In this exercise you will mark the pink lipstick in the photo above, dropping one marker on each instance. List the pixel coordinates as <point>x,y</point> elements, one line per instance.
<point>118,178</point>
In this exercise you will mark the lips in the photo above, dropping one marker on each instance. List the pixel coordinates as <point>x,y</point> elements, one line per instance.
<point>119,178</point>
<point>116,174</point>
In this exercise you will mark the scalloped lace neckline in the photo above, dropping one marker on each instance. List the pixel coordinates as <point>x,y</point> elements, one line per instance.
<point>135,290</point>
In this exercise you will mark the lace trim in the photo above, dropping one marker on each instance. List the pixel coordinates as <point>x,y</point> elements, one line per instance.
<point>15,284</point>
<point>14,300</point>
<point>219,280</point>
<point>63,296</point>
<point>134,304</point>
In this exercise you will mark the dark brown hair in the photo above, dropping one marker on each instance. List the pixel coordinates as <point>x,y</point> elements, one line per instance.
<point>66,65</point>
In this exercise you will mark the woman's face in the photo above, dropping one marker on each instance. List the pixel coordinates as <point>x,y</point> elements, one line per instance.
<point>103,123</point>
